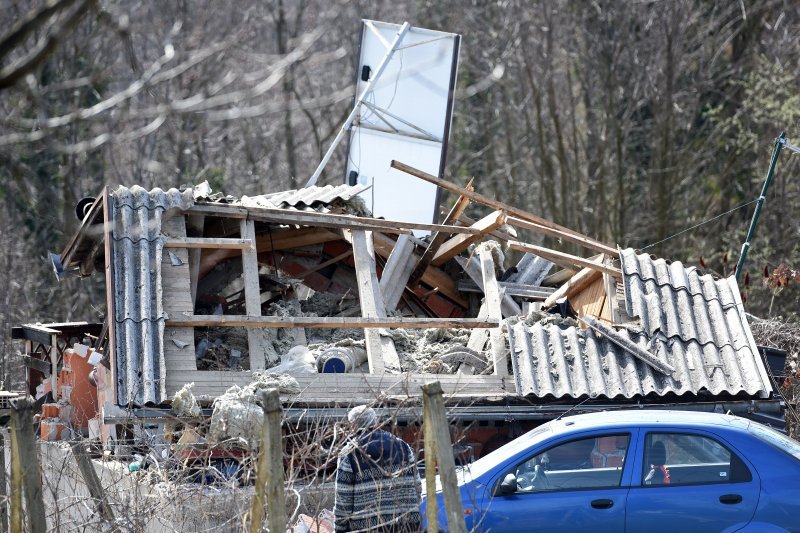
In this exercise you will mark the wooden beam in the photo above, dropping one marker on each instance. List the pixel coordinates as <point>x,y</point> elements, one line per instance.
<point>325,264</point>
<point>498,234</point>
<point>324,220</point>
<point>252,296</point>
<point>186,320</point>
<point>573,286</point>
<point>196,224</point>
<point>507,305</point>
<point>458,244</point>
<point>563,232</point>
<point>439,237</point>
<point>492,299</point>
<point>519,290</point>
<point>208,242</point>
<point>561,257</point>
<point>433,277</point>
<point>397,271</point>
<point>380,354</point>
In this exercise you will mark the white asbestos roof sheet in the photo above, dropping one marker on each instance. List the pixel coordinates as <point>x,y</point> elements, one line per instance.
<point>138,312</point>
<point>309,197</point>
<point>693,322</point>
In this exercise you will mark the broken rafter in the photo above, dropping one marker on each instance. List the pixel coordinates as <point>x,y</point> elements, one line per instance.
<point>324,220</point>
<point>440,237</point>
<point>552,227</point>
<point>205,242</point>
<point>459,243</point>
<point>573,286</point>
<point>188,320</point>
<point>561,258</point>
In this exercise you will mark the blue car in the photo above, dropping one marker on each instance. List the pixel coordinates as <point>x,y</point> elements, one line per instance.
<point>636,471</point>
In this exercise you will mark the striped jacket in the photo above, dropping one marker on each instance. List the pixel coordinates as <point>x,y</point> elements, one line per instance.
<point>377,485</point>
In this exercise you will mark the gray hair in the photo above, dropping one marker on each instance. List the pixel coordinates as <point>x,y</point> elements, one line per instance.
<point>363,417</point>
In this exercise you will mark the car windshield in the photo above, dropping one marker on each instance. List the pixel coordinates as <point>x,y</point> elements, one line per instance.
<point>488,461</point>
<point>776,439</point>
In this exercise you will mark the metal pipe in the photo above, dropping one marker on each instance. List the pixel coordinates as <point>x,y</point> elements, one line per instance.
<point>746,246</point>
<point>401,33</point>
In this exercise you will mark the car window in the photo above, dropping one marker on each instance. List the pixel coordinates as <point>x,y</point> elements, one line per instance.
<point>681,459</point>
<point>776,439</point>
<point>577,464</point>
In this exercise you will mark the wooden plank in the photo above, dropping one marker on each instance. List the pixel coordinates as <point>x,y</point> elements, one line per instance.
<point>196,224</point>
<point>380,354</point>
<point>186,320</point>
<point>207,242</point>
<point>563,232</point>
<point>556,256</point>
<point>269,469</point>
<point>508,306</point>
<point>433,277</point>
<point>438,238</point>
<point>492,298</point>
<point>498,234</point>
<point>326,264</point>
<point>458,244</point>
<point>586,242</point>
<point>576,283</point>
<point>590,301</point>
<point>252,295</point>
<point>510,289</point>
<point>26,461</point>
<point>328,220</point>
<point>397,271</point>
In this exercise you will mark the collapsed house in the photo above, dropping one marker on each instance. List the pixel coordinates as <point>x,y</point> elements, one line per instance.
<point>306,291</point>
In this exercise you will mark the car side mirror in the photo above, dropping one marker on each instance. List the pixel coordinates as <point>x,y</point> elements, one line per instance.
<point>507,486</point>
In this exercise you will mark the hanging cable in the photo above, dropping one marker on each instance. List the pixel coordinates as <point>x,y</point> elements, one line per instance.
<point>700,224</point>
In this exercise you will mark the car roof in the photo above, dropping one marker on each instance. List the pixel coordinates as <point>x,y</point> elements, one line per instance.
<point>649,417</point>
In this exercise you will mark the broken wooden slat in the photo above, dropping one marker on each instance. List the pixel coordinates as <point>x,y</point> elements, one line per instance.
<point>458,244</point>
<point>544,230</point>
<point>498,234</point>
<point>561,257</point>
<point>208,242</point>
<point>510,289</point>
<point>252,295</point>
<point>573,286</point>
<point>563,232</point>
<point>379,353</point>
<point>439,237</point>
<point>591,300</point>
<point>188,320</point>
<point>397,271</point>
<point>433,277</point>
<point>324,220</point>
<point>508,306</point>
<point>492,299</point>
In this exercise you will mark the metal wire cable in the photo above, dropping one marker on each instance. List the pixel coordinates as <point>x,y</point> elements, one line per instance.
<point>700,224</point>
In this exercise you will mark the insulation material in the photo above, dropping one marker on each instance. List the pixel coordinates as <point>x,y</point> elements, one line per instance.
<point>184,403</point>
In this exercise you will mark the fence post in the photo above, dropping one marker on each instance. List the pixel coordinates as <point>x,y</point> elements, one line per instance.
<point>269,471</point>
<point>430,467</point>
<point>436,425</point>
<point>92,481</point>
<point>25,456</point>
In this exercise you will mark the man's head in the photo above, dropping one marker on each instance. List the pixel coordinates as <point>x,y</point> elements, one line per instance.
<point>362,417</point>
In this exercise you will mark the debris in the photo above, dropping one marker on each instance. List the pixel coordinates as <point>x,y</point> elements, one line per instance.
<point>297,360</point>
<point>184,403</point>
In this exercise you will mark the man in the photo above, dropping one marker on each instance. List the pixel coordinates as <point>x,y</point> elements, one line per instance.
<point>377,483</point>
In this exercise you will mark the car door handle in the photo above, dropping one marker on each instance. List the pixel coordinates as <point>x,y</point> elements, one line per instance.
<point>602,504</point>
<point>730,498</point>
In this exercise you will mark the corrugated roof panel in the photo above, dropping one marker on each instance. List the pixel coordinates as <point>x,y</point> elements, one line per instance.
<point>693,322</point>
<point>138,313</point>
<point>306,197</point>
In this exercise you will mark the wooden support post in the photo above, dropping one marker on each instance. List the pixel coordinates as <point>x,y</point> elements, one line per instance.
<point>397,271</point>
<point>431,509</point>
<point>195,223</point>
<point>492,298</point>
<point>439,431</point>
<point>381,352</point>
<point>25,460</point>
<point>459,243</point>
<point>92,481</point>
<point>269,470</point>
<point>252,296</point>
<point>508,306</point>
<point>438,238</point>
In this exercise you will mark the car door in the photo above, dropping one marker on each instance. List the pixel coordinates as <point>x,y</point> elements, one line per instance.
<point>690,481</point>
<point>579,484</point>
